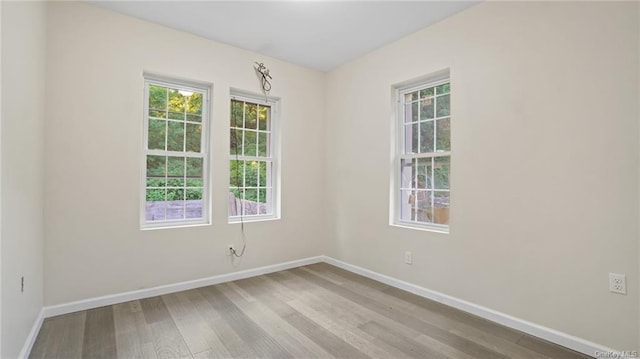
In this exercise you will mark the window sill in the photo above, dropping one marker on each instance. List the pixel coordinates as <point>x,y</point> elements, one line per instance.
<point>150,227</point>
<point>422,227</point>
<point>235,220</point>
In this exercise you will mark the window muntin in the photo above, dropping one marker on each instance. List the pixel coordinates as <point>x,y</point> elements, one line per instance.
<point>175,181</point>
<point>424,156</point>
<point>252,183</point>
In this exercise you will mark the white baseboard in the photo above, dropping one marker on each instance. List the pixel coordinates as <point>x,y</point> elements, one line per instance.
<point>97,302</point>
<point>552,335</point>
<point>33,334</point>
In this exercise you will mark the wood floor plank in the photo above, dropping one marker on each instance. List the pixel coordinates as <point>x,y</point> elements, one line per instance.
<point>61,336</point>
<point>549,349</point>
<point>40,346</point>
<point>445,349</point>
<point>406,345</point>
<point>265,289</point>
<point>128,343</point>
<point>356,338</point>
<point>154,310</point>
<point>198,336</point>
<point>456,326</point>
<point>99,334</point>
<point>293,341</point>
<point>142,330</point>
<point>254,336</point>
<point>167,340</point>
<point>337,321</point>
<point>456,315</point>
<point>439,334</point>
<point>232,342</point>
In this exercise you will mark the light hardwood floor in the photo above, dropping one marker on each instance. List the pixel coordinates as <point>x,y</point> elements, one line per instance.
<point>316,311</point>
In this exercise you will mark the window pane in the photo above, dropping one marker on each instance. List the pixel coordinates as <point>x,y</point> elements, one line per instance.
<point>443,106</point>
<point>263,148</point>
<point>422,173</point>
<point>412,96</point>
<point>175,169</point>
<point>426,137</point>
<point>175,137</point>
<point>415,205</point>
<point>155,205</point>
<point>156,137</point>
<point>444,88</point>
<point>428,92</point>
<point>194,103</point>
<point>251,201</point>
<point>251,174</point>
<point>405,206</point>
<point>156,182</point>
<point>194,118</point>
<point>157,98</point>
<point>250,143</point>
<point>235,142</point>
<point>176,103</point>
<point>234,202</point>
<point>262,201</point>
<point>194,203</point>
<point>411,112</point>
<point>263,174</point>
<point>157,113</point>
<point>179,116</point>
<point>441,171</point>
<point>411,138</point>
<point>195,182</point>
<point>156,166</point>
<point>426,108</point>
<point>441,208</point>
<point>236,173</point>
<point>407,173</point>
<point>264,115</point>
<point>194,134</point>
<point>194,167</point>
<point>443,128</point>
<point>251,116</point>
<point>236,113</point>
<point>175,203</point>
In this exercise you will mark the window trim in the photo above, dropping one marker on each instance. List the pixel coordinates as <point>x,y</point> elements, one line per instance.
<point>398,92</point>
<point>188,85</point>
<point>274,150</point>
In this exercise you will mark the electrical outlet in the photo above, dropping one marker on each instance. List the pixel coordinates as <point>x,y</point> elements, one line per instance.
<point>408,258</point>
<point>617,283</point>
<point>230,249</point>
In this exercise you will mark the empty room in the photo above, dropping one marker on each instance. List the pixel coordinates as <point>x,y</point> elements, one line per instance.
<point>320,179</point>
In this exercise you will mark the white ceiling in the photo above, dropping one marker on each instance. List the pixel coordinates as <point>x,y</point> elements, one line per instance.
<point>316,34</point>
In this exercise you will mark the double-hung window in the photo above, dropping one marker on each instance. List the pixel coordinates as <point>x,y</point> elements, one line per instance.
<point>423,156</point>
<point>253,185</point>
<point>175,182</point>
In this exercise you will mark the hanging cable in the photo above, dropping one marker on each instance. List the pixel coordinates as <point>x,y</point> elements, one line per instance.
<point>263,74</point>
<point>237,183</point>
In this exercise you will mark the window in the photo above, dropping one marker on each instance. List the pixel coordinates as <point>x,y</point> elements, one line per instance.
<point>423,156</point>
<point>175,190</point>
<point>252,163</point>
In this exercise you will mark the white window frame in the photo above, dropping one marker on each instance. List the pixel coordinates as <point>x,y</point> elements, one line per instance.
<point>398,148</point>
<point>274,151</point>
<point>206,89</point>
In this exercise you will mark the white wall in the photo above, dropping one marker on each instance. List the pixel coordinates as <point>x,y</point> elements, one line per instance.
<point>544,167</point>
<point>93,146</point>
<point>23,98</point>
